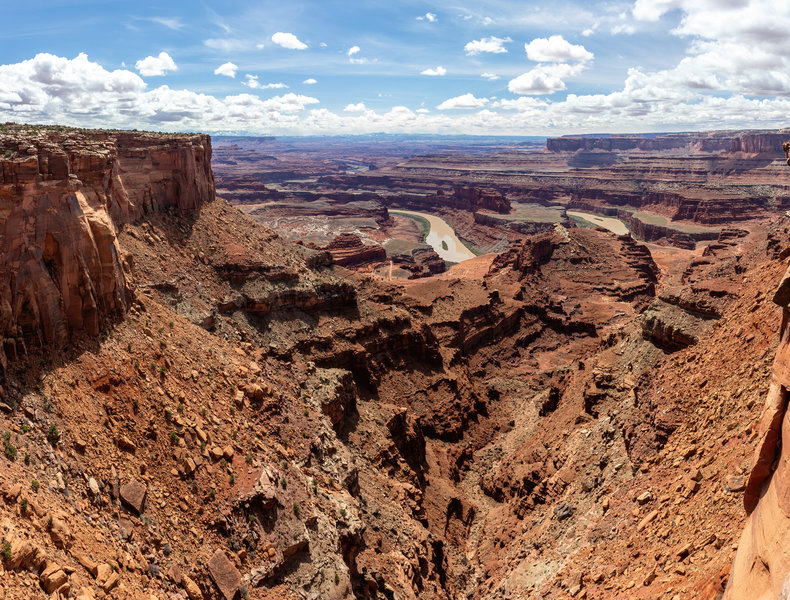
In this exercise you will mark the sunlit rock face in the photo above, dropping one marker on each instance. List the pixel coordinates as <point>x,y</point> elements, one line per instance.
<point>63,198</point>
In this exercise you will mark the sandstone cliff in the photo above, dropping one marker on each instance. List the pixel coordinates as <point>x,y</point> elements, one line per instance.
<point>63,197</point>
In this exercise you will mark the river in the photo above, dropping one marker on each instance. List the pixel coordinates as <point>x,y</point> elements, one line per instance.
<point>614,225</point>
<point>441,232</point>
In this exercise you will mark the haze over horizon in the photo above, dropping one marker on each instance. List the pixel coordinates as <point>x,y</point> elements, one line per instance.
<point>482,68</point>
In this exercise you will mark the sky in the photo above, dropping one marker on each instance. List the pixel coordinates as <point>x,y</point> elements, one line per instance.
<point>482,67</point>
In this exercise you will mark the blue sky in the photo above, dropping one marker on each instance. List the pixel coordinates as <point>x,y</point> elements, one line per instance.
<point>484,67</point>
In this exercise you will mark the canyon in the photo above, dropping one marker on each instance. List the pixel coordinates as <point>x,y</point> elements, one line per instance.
<point>273,388</point>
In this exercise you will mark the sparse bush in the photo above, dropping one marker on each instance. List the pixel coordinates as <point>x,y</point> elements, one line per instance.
<point>297,509</point>
<point>35,485</point>
<point>6,550</point>
<point>53,435</point>
<point>8,448</point>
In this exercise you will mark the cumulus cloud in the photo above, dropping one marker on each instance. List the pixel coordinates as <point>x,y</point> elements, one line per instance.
<point>437,72</point>
<point>543,79</point>
<point>288,40</point>
<point>288,103</point>
<point>465,101</point>
<point>353,57</point>
<point>358,107</point>
<point>493,44</point>
<point>310,81</point>
<point>252,82</point>
<point>152,66</point>
<point>556,49</point>
<point>430,17</point>
<point>738,46</point>
<point>520,104</point>
<point>489,76</point>
<point>227,69</point>
<point>702,91</point>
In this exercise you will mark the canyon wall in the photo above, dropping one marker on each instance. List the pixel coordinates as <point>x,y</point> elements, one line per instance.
<point>750,142</point>
<point>63,198</point>
<point>762,568</point>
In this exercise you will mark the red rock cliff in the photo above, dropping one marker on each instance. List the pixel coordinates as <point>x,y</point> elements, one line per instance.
<point>63,196</point>
<point>762,564</point>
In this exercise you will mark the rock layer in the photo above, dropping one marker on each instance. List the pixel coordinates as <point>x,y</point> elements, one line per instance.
<point>63,198</point>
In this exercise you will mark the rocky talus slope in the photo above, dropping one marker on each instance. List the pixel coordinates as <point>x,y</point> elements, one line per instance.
<point>239,416</point>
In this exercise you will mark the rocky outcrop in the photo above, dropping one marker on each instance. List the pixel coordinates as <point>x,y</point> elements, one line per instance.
<point>63,197</point>
<point>348,250</point>
<point>474,199</point>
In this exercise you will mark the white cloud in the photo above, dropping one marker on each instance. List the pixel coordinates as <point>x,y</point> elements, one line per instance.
<point>491,44</point>
<point>288,40</point>
<point>227,69</point>
<point>353,58</point>
<point>437,72</point>
<point>556,49</point>
<point>489,76</point>
<point>430,17</point>
<point>544,79</point>
<point>171,23</point>
<point>288,103</point>
<point>736,74</point>
<point>652,10</point>
<point>310,81</point>
<point>252,82</point>
<point>520,104</point>
<point>358,107</point>
<point>465,101</point>
<point>260,45</point>
<point>152,66</point>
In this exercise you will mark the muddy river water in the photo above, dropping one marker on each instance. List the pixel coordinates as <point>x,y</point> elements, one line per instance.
<point>440,232</point>
<point>614,225</point>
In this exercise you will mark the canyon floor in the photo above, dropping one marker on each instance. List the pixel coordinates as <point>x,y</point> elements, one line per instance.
<point>223,395</point>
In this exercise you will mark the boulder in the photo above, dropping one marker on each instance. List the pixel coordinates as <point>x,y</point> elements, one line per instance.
<point>225,575</point>
<point>191,588</point>
<point>133,495</point>
<point>52,577</point>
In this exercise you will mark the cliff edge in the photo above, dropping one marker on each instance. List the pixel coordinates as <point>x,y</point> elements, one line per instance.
<point>761,569</point>
<point>64,194</point>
